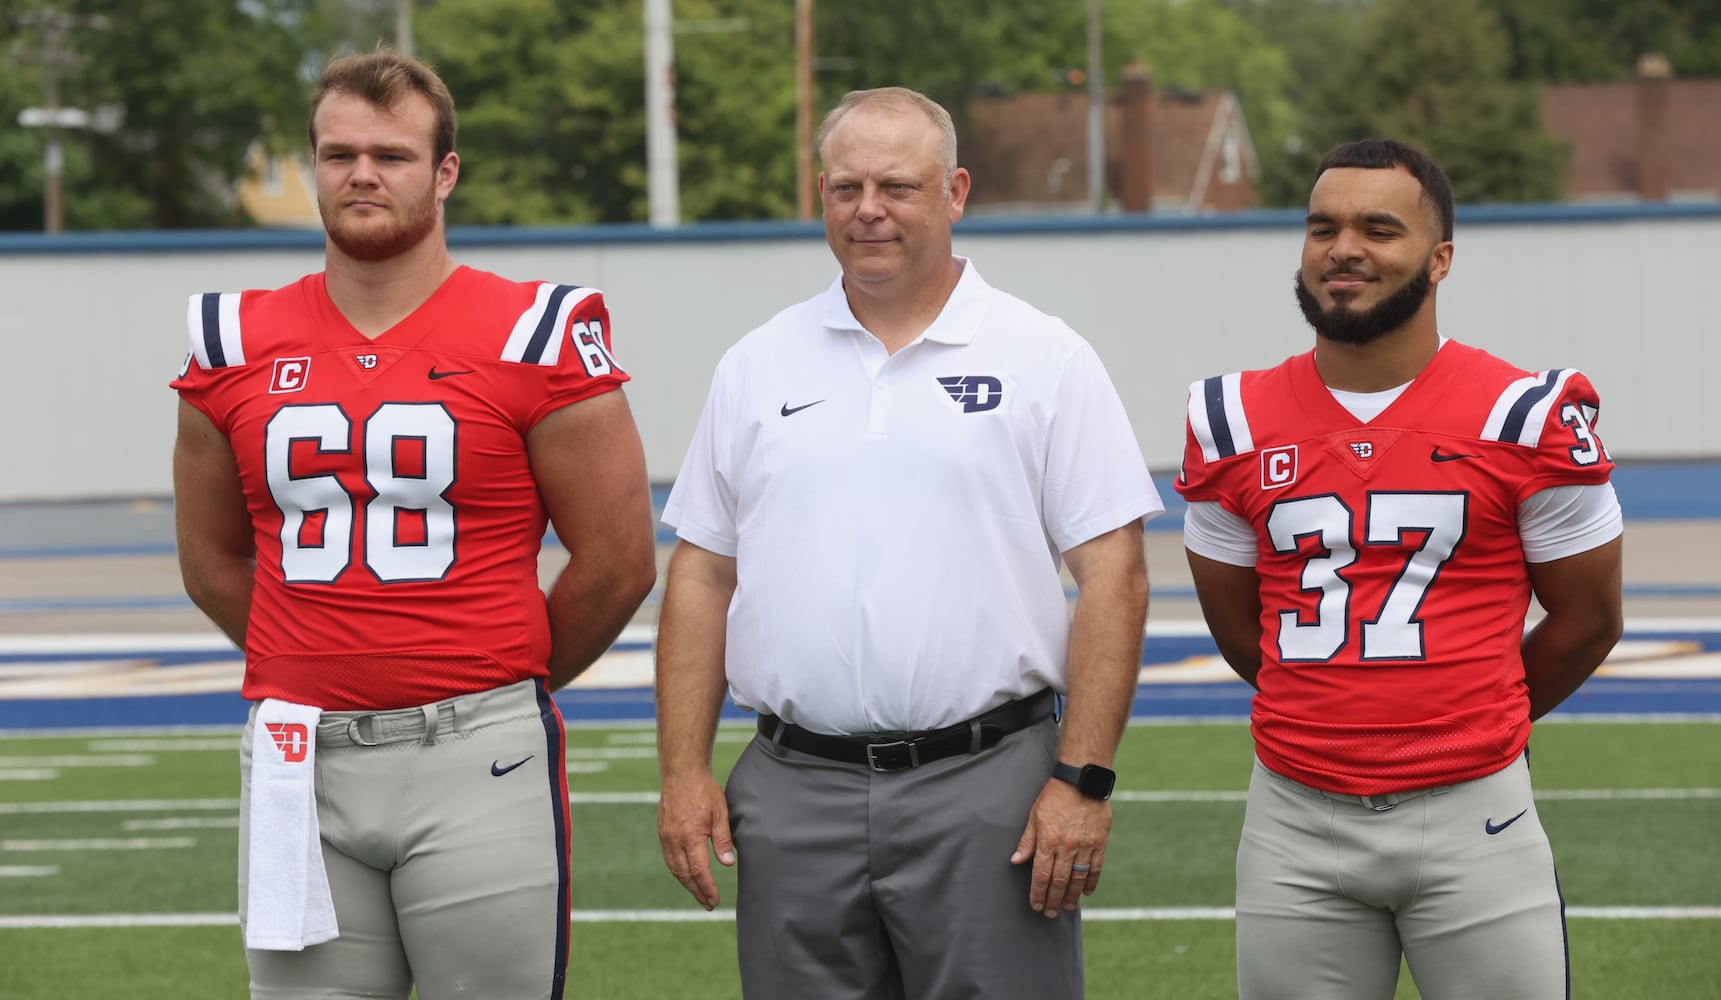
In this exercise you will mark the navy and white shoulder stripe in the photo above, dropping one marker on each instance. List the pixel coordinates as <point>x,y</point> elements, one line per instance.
<point>535,339</point>
<point>1217,418</point>
<point>212,319</point>
<point>1522,410</point>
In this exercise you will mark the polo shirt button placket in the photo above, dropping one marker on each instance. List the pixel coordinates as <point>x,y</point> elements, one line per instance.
<point>878,414</point>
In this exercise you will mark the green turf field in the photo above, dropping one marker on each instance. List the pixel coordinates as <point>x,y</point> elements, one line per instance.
<point>117,856</point>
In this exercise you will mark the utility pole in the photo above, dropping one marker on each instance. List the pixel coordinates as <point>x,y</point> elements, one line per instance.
<point>663,179</point>
<point>403,27</point>
<point>52,26</point>
<point>804,176</point>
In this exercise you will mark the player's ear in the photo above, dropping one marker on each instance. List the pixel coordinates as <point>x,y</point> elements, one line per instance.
<point>1440,261</point>
<point>447,174</point>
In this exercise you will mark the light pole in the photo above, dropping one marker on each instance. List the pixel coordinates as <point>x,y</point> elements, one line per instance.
<point>663,180</point>
<point>1096,112</point>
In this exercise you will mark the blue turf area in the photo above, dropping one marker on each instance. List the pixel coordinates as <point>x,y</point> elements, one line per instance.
<point>1601,697</point>
<point>1681,696</point>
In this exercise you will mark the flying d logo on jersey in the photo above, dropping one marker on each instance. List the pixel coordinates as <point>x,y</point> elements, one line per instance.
<point>290,374</point>
<point>976,393</point>
<point>1278,467</point>
<point>1364,456</point>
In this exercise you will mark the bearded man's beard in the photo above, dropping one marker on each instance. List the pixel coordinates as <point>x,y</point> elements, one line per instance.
<point>1345,325</point>
<point>380,242</point>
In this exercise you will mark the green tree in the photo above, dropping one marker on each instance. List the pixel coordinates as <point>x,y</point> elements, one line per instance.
<point>1436,75</point>
<point>1561,41</point>
<point>1200,45</point>
<point>21,149</point>
<point>955,53</point>
<point>552,108</point>
<point>552,126</point>
<point>1548,45</point>
<point>1316,38</point>
<point>198,82</point>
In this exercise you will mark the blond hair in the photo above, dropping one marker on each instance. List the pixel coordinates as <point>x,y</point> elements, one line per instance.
<point>899,99</point>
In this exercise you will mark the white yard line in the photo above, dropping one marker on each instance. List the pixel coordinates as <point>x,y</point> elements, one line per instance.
<point>29,871</point>
<point>612,753</point>
<point>121,805</point>
<point>82,760</point>
<point>165,745</point>
<point>100,844</point>
<point>182,823</point>
<point>1133,915</point>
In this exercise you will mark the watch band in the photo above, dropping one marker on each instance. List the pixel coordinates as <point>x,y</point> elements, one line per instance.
<point>1091,780</point>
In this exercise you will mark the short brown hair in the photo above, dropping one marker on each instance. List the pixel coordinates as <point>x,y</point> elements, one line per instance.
<point>384,78</point>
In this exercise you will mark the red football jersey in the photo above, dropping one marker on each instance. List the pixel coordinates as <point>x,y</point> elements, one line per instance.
<point>397,522</point>
<point>1393,582</point>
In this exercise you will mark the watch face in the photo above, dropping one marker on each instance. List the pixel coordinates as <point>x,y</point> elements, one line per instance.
<point>1097,781</point>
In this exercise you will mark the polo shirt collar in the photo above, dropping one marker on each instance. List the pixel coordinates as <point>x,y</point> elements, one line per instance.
<point>957,322</point>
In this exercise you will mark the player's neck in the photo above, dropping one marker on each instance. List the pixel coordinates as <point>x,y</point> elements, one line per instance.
<point>1384,363</point>
<point>374,296</point>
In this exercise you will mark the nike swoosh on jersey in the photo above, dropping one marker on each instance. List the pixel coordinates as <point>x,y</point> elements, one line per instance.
<point>1489,828</point>
<point>1440,456</point>
<point>788,410</point>
<point>434,374</point>
<point>498,770</point>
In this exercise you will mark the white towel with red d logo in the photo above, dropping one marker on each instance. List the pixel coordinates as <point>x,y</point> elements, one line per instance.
<point>288,906</point>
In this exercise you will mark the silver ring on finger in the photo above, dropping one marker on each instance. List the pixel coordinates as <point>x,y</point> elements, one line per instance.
<point>1081,869</point>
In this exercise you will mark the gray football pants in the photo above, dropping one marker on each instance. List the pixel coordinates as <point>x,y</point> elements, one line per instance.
<point>1331,889</point>
<point>444,874</point>
<point>856,885</point>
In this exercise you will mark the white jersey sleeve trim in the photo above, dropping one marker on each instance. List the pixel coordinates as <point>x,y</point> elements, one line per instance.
<point>1522,410</point>
<point>212,319</point>
<point>1563,521</point>
<point>1212,531</point>
<point>536,338</point>
<point>1216,416</point>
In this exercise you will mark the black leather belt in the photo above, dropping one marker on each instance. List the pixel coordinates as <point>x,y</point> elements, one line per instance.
<point>900,751</point>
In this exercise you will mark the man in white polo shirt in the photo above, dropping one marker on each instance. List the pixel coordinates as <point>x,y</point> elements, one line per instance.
<point>872,516</point>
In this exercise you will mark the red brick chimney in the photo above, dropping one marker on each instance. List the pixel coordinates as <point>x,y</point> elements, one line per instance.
<point>1654,162</point>
<point>1135,192</point>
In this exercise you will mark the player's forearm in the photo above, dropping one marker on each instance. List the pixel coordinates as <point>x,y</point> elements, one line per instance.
<point>589,605</point>
<point>1230,598</point>
<point>1583,599</point>
<point>1104,665</point>
<point>691,681</point>
<point>1562,652</point>
<point>221,589</point>
<point>1242,655</point>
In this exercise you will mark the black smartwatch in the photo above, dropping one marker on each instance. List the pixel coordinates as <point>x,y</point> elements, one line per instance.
<point>1091,780</point>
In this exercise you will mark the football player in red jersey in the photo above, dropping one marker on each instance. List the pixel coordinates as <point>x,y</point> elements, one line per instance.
<point>1367,524</point>
<point>366,465</point>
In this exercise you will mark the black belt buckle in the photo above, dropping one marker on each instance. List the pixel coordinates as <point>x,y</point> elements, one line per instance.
<point>898,756</point>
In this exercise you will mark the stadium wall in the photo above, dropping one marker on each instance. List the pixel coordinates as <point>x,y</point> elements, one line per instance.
<point>94,324</point>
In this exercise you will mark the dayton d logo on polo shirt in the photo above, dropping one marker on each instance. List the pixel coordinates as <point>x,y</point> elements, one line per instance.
<point>976,393</point>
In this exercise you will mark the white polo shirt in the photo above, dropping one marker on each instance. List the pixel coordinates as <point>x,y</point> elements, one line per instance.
<point>896,521</point>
